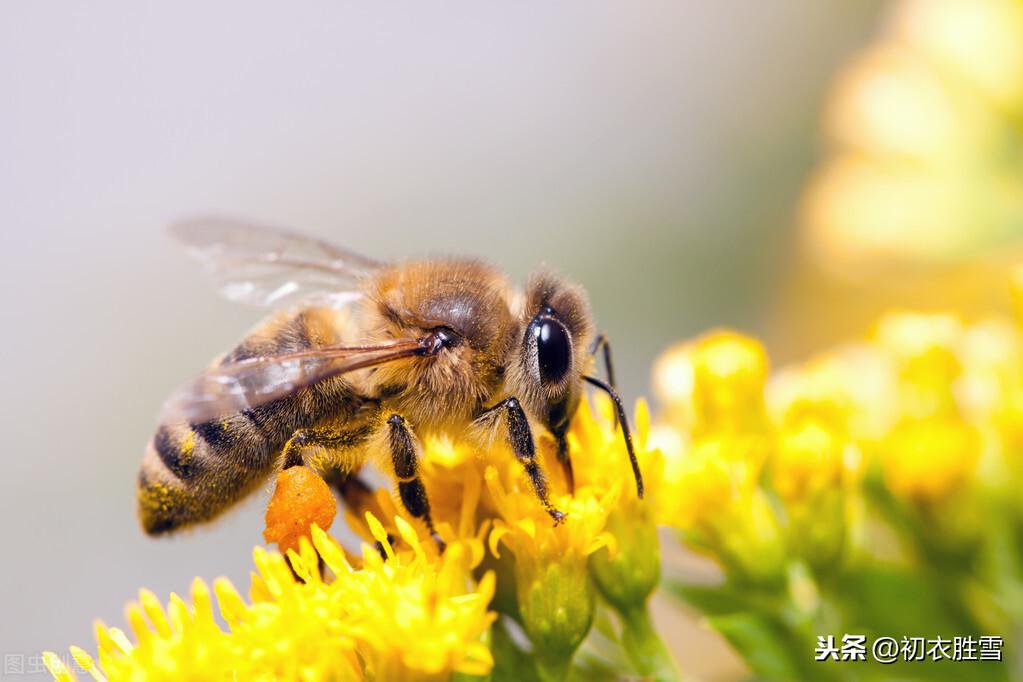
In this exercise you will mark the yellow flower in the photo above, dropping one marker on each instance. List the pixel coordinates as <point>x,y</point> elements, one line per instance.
<point>406,617</point>
<point>715,387</point>
<point>673,380</point>
<point>715,382</point>
<point>808,461</point>
<point>927,459</point>
<point>627,571</point>
<point>814,417</point>
<point>924,124</point>
<point>931,449</point>
<point>629,574</point>
<point>892,102</point>
<point>453,476</point>
<point>991,356</point>
<point>715,391</point>
<point>852,387</point>
<point>858,211</point>
<point>815,463</point>
<point>924,345</point>
<point>554,594</point>
<point>720,509</point>
<point>981,42</point>
<point>729,372</point>
<point>412,616</point>
<point>708,480</point>
<point>405,608</point>
<point>1016,291</point>
<point>715,499</point>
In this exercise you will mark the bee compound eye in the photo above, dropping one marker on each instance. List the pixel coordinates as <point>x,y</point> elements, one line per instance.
<point>553,350</point>
<point>445,337</point>
<point>442,337</point>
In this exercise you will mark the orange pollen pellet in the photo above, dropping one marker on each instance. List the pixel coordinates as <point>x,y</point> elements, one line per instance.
<point>300,499</point>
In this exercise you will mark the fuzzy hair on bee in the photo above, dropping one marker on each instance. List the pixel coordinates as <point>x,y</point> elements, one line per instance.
<point>365,359</point>
<point>192,471</point>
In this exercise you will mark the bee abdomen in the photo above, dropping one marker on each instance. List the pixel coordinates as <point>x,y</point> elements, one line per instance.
<point>190,473</point>
<point>177,455</point>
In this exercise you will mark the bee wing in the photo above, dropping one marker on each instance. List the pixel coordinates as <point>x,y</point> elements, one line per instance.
<point>223,390</point>
<point>272,267</point>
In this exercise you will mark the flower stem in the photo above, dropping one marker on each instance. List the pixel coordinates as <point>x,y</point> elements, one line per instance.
<point>644,646</point>
<point>553,668</point>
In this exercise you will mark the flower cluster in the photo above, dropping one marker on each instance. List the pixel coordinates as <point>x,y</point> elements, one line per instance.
<point>925,128</point>
<point>405,609</point>
<point>399,616</point>
<point>886,469</point>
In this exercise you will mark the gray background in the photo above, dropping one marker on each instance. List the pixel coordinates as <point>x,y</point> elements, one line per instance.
<point>653,151</point>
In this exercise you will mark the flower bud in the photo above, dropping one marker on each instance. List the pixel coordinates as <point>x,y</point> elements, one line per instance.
<point>729,373</point>
<point>554,591</point>
<point>808,469</point>
<point>555,599</point>
<point>924,348</point>
<point>927,459</point>
<point>628,577</point>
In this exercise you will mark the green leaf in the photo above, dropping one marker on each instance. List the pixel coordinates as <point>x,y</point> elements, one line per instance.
<point>764,644</point>
<point>712,600</point>
<point>891,600</point>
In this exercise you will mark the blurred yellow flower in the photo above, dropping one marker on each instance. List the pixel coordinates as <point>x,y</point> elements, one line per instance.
<point>729,371</point>
<point>931,450</point>
<point>978,41</point>
<point>715,390</point>
<point>926,459</point>
<point>809,460</point>
<point>709,481</point>
<point>923,125</point>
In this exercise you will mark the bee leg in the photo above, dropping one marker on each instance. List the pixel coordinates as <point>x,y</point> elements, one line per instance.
<point>410,486</point>
<point>353,490</point>
<point>520,437</point>
<point>601,343</point>
<point>338,467</point>
<point>333,440</point>
<point>293,451</point>
<point>566,461</point>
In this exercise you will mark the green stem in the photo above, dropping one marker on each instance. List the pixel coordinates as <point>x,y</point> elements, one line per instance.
<point>644,646</point>
<point>553,668</point>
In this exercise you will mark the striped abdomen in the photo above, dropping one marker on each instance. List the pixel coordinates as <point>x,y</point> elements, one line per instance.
<point>192,472</point>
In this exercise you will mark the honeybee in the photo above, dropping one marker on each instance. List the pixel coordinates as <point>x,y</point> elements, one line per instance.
<point>365,356</point>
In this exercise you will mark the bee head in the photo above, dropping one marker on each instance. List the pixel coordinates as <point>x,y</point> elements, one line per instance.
<point>557,330</point>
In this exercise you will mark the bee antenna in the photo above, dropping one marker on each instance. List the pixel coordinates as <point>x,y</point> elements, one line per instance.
<point>626,431</point>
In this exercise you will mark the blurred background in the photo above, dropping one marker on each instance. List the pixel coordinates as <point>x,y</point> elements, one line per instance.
<point>657,153</point>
